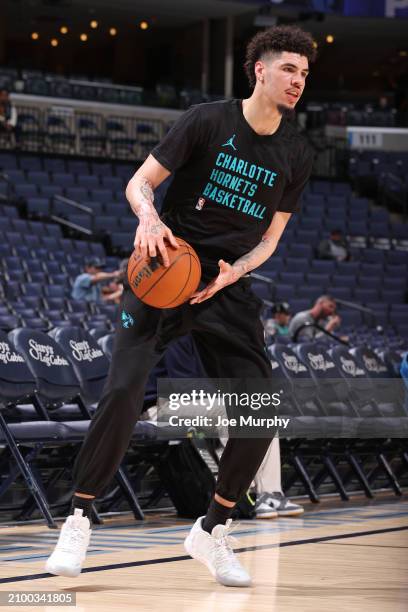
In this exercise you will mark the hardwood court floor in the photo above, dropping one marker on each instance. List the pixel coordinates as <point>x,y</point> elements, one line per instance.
<point>352,558</point>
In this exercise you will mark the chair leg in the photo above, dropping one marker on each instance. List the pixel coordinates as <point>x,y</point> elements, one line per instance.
<point>390,474</point>
<point>356,468</point>
<point>27,473</point>
<point>333,472</point>
<point>304,477</point>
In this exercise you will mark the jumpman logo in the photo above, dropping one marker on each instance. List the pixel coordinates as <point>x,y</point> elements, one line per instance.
<point>230,143</point>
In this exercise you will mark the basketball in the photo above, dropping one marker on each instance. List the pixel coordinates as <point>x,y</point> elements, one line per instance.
<point>164,287</point>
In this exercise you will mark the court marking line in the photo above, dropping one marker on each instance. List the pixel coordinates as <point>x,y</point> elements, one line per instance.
<point>102,568</point>
<point>365,545</point>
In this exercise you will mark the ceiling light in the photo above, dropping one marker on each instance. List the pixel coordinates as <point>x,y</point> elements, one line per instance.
<point>113,31</point>
<point>94,24</point>
<point>143,25</point>
<point>64,30</point>
<point>54,42</point>
<point>84,37</point>
<point>35,35</point>
<point>329,39</point>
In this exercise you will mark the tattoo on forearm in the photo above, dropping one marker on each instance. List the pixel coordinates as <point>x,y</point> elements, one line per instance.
<point>146,189</point>
<point>142,201</point>
<point>249,261</point>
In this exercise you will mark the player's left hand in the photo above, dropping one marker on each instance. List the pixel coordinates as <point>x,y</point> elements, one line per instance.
<point>226,276</point>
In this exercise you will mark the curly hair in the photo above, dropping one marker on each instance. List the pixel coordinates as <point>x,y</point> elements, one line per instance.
<point>276,40</point>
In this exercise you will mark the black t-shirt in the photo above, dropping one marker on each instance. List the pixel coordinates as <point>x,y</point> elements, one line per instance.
<point>228,180</point>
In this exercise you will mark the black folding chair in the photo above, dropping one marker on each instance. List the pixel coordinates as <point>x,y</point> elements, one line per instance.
<point>57,386</point>
<point>17,386</point>
<point>91,367</point>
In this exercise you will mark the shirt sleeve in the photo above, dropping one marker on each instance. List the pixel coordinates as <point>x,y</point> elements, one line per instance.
<point>178,145</point>
<point>84,281</point>
<point>291,199</point>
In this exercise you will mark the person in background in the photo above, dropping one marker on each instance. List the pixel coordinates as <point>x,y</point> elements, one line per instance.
<point>271,502</point>
<point>115,288</point>
<point>335,247</point>
<point>87,285</point>
<point>278,325</point>
<point>323,313</point>
<point>8,115</point>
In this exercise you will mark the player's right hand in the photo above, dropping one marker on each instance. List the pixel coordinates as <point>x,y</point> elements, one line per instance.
<point>150,238</point>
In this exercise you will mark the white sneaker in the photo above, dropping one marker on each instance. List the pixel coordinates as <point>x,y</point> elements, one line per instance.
<point>70,551</point>
<point>263,509</point>
<point>216,553</point>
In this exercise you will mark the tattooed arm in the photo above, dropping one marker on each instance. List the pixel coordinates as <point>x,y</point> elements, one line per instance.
<point>231,273</point>
<point>151,231</point>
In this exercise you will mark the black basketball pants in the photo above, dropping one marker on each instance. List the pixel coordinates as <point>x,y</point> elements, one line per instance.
<point>229,338</point>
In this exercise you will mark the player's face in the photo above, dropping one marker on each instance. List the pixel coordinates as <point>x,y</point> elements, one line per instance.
<point>284,78</point>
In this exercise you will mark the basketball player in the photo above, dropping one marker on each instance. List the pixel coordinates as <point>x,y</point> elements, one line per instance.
<point>239,169</point>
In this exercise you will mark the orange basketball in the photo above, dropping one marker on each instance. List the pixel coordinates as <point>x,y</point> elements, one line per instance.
<point>164,287</point>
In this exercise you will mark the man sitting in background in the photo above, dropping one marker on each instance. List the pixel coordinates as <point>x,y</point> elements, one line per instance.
<point>335,247</point>
<point>278,325</point>
<point>323,313</point>
<point>87,285</point>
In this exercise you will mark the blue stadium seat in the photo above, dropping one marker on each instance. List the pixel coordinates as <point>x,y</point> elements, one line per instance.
<point>87,359</point>
<point>368,282</point>
<point>10,211</point>
<point>321,187</point>
<point>38,177</point>
<point>101,168</point>
<point>16,176</point>
<point>344,280</point>
<point>365,295</point>
<point>348,268</point>
<point>101,195</point>
<point>335,202</point>
<point>33,289</point>
<point>54,164</point>
<point>105,341</point>
<point>8,161</point>
<point>396,270</point>
<point>106,224</point>
<point>115,183</point>
<point>30,162</point>
<point>397,257</point>
<point>78,166</point>
<point>78,194</point>
<point>323,266</point>
<point>339,188</point>
<point>48,191</point>
<point>372,269</point>
<point>294,264</point>
<point>291,278</point>
<point>320,279</point>
<point>300,250</point>
<point>88,181</point>
<point>311,292</point>
<point>392,297</point>
<point>299,304</point>
<point>341,293</point>
<point>26,190</point>
<point>63,179</point>
<point>38,206</point>
<point>285,292</point>
<point>9,322</point>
